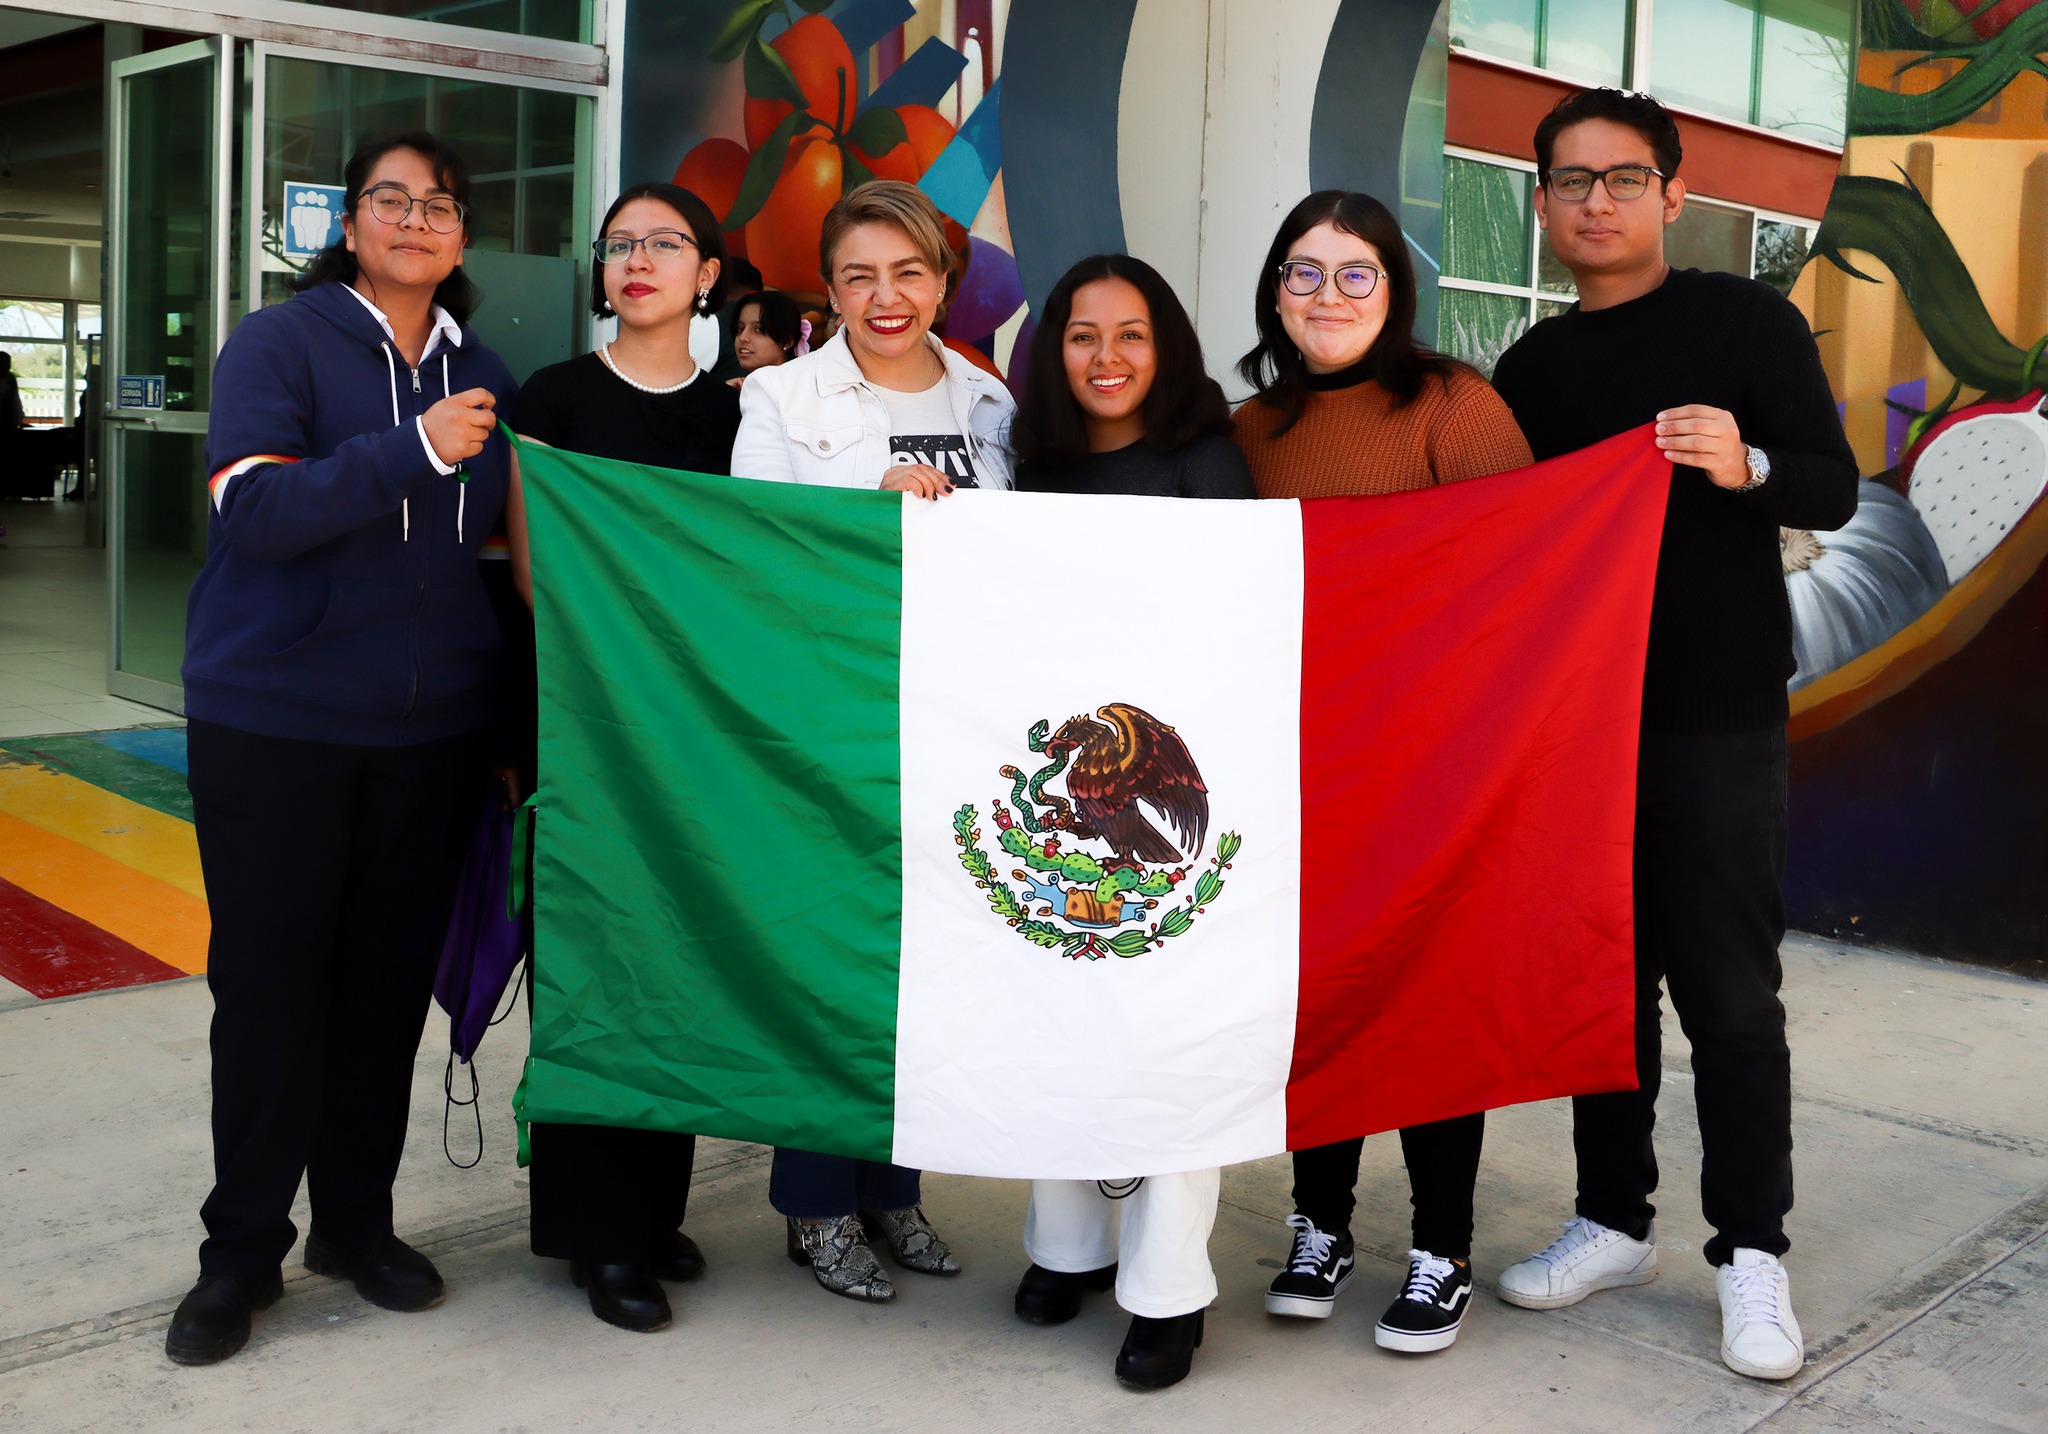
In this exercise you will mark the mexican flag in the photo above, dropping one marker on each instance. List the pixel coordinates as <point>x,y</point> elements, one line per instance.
<point>1088,837</point>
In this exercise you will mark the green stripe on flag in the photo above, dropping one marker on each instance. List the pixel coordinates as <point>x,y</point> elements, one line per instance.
<point>717,867</point>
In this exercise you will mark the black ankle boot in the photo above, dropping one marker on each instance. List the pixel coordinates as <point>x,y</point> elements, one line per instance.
<point>628,1296</point>
<point>390,1274</point>
<point>212,1321</point>
<point>677,1259</point>
<point>1054,1296</point>
<point>1159,1352</point>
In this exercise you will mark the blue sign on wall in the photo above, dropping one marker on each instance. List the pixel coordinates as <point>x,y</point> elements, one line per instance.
<point>140,390</point>
<point>312,218</point>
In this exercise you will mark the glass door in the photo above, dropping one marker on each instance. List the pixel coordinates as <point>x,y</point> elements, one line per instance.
<point>172,130</point>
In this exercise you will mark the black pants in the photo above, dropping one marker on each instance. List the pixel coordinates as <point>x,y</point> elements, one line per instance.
<point>1443,1166</point>
<point>604,1193</point>
<point>809,1186</point>
<point>329,871</point>
<point>1710,913</point>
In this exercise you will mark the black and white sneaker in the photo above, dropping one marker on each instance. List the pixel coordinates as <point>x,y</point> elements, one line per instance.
<point>1317,1272</point>
<point>1431,1307</point>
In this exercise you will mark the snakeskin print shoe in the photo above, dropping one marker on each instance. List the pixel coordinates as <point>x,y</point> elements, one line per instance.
<point>912,1241</point>
<point>837,1251</point>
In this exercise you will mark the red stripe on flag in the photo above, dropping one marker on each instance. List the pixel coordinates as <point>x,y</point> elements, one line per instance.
<point>48,952</point>
<point>1472,671</point>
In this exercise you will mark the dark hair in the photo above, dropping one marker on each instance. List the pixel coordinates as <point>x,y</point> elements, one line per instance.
<point>1639,112</point>
<point>694,212</point>
<point>455,293</point>
<point>742,275</point>
<point>781,320</point>
<point>1183,404</point>
<point>1274,367</point>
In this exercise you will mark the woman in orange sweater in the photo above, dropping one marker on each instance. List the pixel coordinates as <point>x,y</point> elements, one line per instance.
<point>1348,404</point>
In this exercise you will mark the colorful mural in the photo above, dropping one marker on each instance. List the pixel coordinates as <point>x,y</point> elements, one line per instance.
<point>1920,798</point>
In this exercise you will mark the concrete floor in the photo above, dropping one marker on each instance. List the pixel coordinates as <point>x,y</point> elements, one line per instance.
<point>1920,1266</point>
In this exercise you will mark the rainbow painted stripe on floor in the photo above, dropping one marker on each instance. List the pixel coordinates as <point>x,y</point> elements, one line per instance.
<point>99,867</point>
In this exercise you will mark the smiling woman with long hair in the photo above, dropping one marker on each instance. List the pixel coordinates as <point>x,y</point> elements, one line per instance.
<point>1348,404</point>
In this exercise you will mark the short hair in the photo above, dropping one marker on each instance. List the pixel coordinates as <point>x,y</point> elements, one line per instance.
<point>456,293</point>
<point>1274,367</point>
<point>1184,403</point>
<point>697,218</point>
<point>780,318</point>
<point>888,201</point>
<point>1639,112</point>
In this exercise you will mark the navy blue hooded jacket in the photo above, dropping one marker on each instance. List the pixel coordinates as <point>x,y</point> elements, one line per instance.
<point>340,601</point>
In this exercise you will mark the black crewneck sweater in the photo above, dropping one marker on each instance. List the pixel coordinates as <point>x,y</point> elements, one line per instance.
<point>1720,647</point>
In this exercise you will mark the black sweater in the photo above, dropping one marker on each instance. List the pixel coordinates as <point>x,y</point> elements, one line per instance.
<point>1210,467</point>
<point>1720,627</point>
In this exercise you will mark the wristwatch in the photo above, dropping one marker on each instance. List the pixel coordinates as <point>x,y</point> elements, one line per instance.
<point>1759,469</point>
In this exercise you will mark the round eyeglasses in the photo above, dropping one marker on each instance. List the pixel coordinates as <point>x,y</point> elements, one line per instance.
<point>1354,281</point>
<point>1624,182</point>
<point>392,204</point>
<point>661,244</point>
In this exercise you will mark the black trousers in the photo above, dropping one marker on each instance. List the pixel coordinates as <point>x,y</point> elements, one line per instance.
<point>1710,913</point>
<point>1443,1167</point>
<point>329,871</point>
<point>604,1193</point>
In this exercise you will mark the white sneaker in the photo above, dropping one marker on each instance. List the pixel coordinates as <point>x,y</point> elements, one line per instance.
<point>1759,1336</point>
<point>1586,1257</point>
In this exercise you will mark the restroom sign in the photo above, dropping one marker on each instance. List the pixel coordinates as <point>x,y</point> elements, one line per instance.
<point>312,218</point>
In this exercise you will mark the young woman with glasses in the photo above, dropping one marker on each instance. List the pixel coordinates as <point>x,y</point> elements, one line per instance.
<point>610,1200</point>
<point>342,668</point>
<point>1347,404</point>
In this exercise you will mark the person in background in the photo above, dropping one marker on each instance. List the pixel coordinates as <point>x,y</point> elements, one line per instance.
<point>883,405</point>
<point>769,330</point>
<point>610,1200</point>
<point>1117,400</point>
<point>741,277</point>
<point>1345,404</point>
<point>11,413</point>
<point>1729,373</point>
<point>342,669</point>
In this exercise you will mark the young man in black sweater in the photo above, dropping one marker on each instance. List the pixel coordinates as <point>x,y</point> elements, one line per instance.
<point>1728,372</point>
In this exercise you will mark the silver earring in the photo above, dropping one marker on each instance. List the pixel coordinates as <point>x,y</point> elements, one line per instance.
<point>703,301</point>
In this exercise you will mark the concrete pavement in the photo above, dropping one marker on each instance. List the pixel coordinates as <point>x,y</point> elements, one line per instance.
<point>1919,1265</point>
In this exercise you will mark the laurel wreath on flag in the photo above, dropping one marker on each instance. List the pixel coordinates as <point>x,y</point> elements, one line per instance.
<point>1176,920</point>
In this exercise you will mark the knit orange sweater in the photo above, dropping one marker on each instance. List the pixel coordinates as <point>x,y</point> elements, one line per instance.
<point>1353,441</point>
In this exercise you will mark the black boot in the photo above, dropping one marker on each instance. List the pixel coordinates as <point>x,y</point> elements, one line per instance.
<point>1054,1296</point>
<point>1159,1352</point>
<point>628,1296</point>
<point>391,1274</point>
<point>677,1259</point>
<point>212,1321</point>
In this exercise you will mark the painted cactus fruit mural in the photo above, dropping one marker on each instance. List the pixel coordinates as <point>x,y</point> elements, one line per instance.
<point>1920,711</point>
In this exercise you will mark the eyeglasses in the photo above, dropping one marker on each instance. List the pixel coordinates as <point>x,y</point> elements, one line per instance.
<point>1624,182</point>
<point>661,244</point>
<point>392,204</point>
<point>1354,281</point>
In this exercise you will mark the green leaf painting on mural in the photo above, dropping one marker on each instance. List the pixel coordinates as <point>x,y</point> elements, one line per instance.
<point>1989,66</point>
<point>765,167</point>
<point>1892,223</point>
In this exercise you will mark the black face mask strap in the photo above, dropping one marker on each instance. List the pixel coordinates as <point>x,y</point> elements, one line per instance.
<point>473,1104</point>
<point>1120,1189</point>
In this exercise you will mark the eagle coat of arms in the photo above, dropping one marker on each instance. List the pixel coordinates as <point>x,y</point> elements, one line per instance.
<point>1137,814</point>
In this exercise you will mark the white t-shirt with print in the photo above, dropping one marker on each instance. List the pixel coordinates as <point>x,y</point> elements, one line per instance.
<point>922,429</point>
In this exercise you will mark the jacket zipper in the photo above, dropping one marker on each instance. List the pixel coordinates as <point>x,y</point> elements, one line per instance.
<point>412,698</point>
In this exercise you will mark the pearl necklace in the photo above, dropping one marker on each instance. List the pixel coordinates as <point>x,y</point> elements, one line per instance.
<point>604,354</point>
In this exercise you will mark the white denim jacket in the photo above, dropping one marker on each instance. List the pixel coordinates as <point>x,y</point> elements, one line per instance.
<point>817,419</point>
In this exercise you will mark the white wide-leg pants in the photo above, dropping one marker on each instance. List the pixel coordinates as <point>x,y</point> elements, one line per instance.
<point>1161,1251</point>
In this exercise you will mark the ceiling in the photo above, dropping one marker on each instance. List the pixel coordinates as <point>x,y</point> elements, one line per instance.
<point>51,123</point>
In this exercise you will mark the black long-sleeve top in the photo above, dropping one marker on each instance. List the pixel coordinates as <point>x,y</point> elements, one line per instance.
<point>1720,647</point>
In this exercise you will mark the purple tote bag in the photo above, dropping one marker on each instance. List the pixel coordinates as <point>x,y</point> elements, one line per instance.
<point>483,945</point>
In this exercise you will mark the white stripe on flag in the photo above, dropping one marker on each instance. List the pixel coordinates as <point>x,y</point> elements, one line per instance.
<point>1011,1058</point>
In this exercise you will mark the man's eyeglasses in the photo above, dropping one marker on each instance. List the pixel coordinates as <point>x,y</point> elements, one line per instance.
<point>1623,181</point>
<point>661,244</point>
<point>391,204</point>
<point>1354,281</point>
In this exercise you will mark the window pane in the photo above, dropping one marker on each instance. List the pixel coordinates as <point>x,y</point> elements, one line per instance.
<point>1700,54</point>
<point>1781,252</point>
<point>1478,328</point>
<point>1551,276</point>
<point>1549,309</point>
<point>1709,236</point>
<point>1805,86</point>
<point>551,19</point>
<point>31,319</point>
<point>1586,39</point>
<point>1506,28</point>
<point>1486,222</point>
